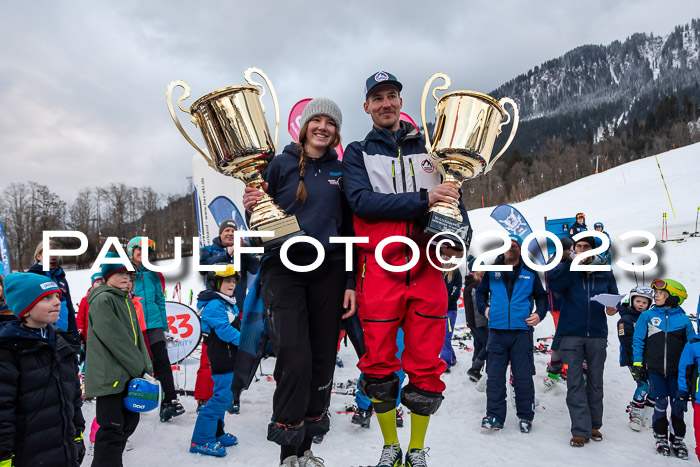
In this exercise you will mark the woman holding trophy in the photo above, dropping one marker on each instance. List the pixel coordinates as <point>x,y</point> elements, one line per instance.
<point>304,309</point>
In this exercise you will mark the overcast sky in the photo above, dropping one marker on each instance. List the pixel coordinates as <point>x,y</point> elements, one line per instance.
<point>82,83</point>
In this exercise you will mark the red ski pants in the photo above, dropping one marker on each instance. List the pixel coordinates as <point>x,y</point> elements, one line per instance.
<point>204,385</point>
<point>696,427</point>
<point>415,301</point>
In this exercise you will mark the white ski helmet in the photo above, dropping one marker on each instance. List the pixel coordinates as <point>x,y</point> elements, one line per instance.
<point>642,291</point>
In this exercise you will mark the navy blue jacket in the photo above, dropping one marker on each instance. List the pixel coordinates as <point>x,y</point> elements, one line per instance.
<point>66,320</point>
<point>625,332</point>
<point>659,338</point>
<point>217,253</point>
<point>577,228</point>
<point>579,316</point>
<point>40,397</point>
<point>325,213</point>
<point>385,173</point>
<point>512,295</point>
<point>454,290</point>
<point>221,327</point>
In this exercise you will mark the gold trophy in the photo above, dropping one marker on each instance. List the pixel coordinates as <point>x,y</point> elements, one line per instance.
<point>467,125</point>
<point>232,121</point>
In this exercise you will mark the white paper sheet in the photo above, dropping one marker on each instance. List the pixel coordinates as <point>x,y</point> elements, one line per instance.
<point>608,299</point>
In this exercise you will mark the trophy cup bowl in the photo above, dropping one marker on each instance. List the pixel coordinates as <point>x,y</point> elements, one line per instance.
<point>233,125</point>
<point>466,128</point>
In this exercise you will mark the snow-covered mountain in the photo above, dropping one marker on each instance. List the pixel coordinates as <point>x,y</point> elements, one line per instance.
<point>608,85</point>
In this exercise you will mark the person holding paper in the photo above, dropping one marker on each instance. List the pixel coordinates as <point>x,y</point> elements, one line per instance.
<point>583,328</point>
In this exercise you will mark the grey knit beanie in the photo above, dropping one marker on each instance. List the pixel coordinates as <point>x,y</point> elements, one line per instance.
<point>322,106</point>
<point>227,223</point>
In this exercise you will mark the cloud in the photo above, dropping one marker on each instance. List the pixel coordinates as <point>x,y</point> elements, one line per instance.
<point>84,82</point>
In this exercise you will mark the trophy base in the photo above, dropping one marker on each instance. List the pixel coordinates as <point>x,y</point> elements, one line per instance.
<point>433,223</point>
<point>283,230</point>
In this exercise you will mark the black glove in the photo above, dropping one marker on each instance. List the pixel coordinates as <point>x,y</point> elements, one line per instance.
<point>681,402</point>
<point>639,373</point>
<point>81,445</point>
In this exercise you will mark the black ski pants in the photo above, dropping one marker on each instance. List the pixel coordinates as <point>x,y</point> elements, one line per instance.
<point>303,315</point>
<point>161,363</point>
<point>117,423</point>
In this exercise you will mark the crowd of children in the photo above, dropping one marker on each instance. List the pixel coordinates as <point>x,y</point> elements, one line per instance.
<point>658,345</point>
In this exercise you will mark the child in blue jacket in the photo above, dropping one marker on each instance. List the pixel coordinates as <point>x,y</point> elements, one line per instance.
<point>640,299</point>
<point>659,338</point>
<point>221,329</point>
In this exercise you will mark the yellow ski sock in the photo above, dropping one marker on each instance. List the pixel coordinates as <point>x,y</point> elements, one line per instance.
<point>387,423</point>
<point>419,426</point>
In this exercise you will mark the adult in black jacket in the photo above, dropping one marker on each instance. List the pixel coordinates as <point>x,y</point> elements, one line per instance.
<point>41,422</point>
<point>304,309</point>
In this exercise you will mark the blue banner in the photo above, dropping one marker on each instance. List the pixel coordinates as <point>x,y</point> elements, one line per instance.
<point>560,228</point>
<point>4,255</point>
<point>514,223</point>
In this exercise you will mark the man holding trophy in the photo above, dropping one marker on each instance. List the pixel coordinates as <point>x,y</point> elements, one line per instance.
<point>390,182</point>
<point>400,184</point>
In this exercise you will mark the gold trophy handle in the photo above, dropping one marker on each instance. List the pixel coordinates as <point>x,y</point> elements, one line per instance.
<point>426,88</point>
<point>516,119</point>
<point>173,115</point>
<point>273,94</point>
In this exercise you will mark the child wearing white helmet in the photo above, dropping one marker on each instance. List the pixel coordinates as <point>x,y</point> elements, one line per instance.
<point>641,298</point>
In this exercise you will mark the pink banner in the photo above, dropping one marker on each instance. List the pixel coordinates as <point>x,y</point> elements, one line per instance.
<point>408,119</point>
<point>295,120</point>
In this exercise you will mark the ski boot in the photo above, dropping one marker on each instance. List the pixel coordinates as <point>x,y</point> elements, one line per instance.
<point>200,403</point>
<point>679,448</point>
<point>291,461</point>
<point>210,449</point>
<point>549,381</point>
<point>662,446</point>
<point>339,362</point>
<point>227,439</point>
<point>491,424</point>
<point>362,417</point>
<point>234,408</point>
<point>525,425</point>
<point>171,409</point>
<point>481,384</point>
<point>416,458</point>
<point>474,374</point>
<point>399,417</point>
<point>309,460</point>
<point>318,439</point>
<point>635,410</point>
<point>391,456</point>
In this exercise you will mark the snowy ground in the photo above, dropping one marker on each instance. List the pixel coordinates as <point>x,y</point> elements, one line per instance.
<point>629,197</point>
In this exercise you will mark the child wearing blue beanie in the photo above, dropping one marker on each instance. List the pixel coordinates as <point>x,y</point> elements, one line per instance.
<point>39,381</point>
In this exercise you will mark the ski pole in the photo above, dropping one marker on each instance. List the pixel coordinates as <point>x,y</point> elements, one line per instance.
<point>696,220</point>
<point>663,180</point>
<point>635,274</point>
<point>642,272</point>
